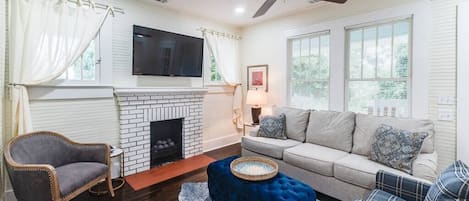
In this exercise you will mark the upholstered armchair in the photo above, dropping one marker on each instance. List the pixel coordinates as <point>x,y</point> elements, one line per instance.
<point>397,188</point>
<point>45,166</point>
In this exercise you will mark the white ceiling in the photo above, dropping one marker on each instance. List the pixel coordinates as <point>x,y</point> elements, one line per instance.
<point>223,10</point>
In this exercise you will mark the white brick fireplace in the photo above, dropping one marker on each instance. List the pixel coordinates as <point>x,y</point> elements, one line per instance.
<point>140,106</point>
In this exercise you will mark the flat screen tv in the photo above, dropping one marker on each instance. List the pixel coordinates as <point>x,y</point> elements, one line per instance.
<point>162,53</point>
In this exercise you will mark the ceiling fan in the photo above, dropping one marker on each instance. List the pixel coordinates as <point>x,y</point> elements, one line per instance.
<point>268,3</point>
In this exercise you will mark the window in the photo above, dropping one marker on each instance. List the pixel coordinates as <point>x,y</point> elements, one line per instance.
<point>309,71</point>
<point>378,68</point>
<point>214,75</point>
<point>85,69</point>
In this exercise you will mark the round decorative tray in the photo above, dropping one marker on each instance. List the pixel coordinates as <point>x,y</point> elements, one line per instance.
<point>254,168</point>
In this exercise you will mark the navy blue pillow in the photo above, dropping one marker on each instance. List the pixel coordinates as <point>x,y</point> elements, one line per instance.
<point>452,184</point>
<point>272,127</point>
<point>396,148</point>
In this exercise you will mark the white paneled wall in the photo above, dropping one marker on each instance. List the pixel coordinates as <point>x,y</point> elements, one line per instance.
<point>82,120</point>
<point>149,14</point>
<point>442,77</point>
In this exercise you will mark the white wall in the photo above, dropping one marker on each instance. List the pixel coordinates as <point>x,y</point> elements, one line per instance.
<point>442,76</point>
<point>149,15</point>
<point>218,129</point>
<point>267,43</point>
<point>463,82</point>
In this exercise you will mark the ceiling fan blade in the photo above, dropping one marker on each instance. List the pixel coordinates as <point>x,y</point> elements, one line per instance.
<point>336,1</point>
<point>264,8</point>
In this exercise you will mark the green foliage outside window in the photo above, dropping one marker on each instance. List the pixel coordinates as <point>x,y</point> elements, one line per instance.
<point>214,75</point>
<point>84,68</point>
<point>382,78</point>
<point>309,72</point>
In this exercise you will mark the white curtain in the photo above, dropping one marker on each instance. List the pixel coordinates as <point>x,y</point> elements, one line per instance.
<point>46,37</point>
<point>225,50</point>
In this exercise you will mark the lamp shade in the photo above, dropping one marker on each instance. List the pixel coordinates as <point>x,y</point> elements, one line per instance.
<point>256,97</point>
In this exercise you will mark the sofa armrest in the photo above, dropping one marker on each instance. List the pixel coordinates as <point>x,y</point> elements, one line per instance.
<point>253,132</point>
<point>425,166</point>
<point>405,188</point>
<point>91,153</point>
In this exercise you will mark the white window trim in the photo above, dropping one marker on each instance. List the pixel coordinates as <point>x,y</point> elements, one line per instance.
<point>409,79</point>
<point>290,62</point>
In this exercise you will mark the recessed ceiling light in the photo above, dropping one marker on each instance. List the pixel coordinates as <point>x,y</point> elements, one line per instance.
<point>239,10</point>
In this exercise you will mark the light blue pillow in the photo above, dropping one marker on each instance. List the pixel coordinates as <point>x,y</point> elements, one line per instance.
<point>452,184</point>
<point>396,148</point>
<point>272,127</point>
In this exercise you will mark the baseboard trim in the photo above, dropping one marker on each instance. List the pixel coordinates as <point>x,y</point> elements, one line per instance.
<point>220,142</point>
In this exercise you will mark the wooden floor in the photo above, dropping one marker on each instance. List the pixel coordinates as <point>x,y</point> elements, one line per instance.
<point>169,190</point>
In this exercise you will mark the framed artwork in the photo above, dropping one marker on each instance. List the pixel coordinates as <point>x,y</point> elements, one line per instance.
<point>258,77</point>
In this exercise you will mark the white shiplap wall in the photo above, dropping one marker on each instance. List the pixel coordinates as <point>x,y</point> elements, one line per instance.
<point>82,120</point>
<point>442,77</point>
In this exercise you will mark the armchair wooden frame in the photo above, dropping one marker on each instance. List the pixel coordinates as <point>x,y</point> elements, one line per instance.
<point>50,170</point>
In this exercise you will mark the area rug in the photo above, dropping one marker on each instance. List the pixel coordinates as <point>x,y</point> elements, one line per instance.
<point>194,192</point>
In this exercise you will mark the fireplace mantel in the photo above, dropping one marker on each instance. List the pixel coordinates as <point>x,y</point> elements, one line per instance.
<point>156,90</point>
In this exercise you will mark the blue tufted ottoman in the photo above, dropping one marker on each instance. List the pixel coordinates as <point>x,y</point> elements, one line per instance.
<point>224,186</point>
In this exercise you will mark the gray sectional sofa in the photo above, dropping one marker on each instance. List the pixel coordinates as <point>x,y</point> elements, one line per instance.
<point>329,150</point>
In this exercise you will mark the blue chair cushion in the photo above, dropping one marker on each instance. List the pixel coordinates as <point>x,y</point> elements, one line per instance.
<point>224,186</point>
<point>379,195</point>
<point>452,184</point>
<point>75,175</point>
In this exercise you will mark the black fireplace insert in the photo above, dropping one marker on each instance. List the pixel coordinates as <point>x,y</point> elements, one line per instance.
<point>166,141</point>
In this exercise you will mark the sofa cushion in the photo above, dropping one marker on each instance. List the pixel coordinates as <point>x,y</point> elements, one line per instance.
<point>272,126</point>
<point>425,166</point>
<point>267,146</point>
<point>360,171</point>
<point>396,148</point>
<point>296,122</point>
<point>75,175</point>
<point>331,129</point>
<point>312,157</point>
<point>366,126</point>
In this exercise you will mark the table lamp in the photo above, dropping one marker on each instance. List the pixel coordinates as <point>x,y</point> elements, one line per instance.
<point>256,98</point>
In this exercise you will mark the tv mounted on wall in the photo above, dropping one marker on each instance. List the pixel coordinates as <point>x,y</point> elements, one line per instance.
<point>162,53</point>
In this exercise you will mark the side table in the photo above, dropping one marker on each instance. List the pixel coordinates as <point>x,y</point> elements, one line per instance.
<point>252,125</point>
<point>117,183</point>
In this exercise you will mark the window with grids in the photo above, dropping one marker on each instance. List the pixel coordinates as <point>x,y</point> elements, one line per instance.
<point>379,68</point>
<point>309,71</point>
<point>85,69</point>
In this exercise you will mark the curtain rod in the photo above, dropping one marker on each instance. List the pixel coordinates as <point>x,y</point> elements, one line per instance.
<point>205,30</point>
<point>98,5</point>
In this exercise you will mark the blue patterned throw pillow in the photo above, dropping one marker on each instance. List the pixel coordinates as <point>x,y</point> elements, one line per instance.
<point>452,184</point>
<point>396,148</point>
<point>272,127</point>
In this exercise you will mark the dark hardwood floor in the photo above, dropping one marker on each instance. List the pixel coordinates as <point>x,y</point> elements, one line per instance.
<point>169,190</point>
